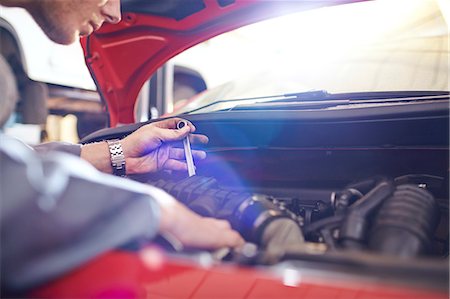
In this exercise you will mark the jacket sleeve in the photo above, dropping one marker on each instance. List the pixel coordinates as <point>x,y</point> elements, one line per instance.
<point>58,212</point>
<point>44,148</point>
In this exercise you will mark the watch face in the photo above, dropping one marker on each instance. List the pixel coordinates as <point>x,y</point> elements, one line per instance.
<point>117,157</point>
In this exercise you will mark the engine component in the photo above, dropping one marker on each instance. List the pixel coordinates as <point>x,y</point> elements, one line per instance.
<point>353,192</point>
<point>405,224</point>
<point>356,223</point>
<point>345,199</point>
<point>282,233</point>
<point>253,215</point>
<point>376,214</point>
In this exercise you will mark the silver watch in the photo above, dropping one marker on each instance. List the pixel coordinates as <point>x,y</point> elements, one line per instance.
<point>117,157</point>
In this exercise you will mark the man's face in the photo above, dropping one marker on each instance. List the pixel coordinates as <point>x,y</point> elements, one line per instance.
<point>65,20</point>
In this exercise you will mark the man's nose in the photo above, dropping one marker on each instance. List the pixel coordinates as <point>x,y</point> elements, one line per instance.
<point>111,11</point>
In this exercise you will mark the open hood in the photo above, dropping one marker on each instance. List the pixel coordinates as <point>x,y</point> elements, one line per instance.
<point>123,56</point>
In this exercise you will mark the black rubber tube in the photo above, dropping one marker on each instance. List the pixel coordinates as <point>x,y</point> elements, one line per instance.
<point>405,224</point>
<point>354,228</point>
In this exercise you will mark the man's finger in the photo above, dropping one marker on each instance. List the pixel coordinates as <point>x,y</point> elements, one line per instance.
<point>172,164</point>
<point>228,238</point>
<point>198,155</point>
<point>178,154</point>
<point>171,123</point>
<point>234,239</point>
<point>169,135</point>
<point>223,224</point>
<point>198,139</point>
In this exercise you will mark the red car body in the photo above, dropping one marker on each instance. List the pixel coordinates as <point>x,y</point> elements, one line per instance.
<point>127,275</point>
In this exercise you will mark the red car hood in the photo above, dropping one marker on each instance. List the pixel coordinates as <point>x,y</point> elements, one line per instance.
<point>123,56</point>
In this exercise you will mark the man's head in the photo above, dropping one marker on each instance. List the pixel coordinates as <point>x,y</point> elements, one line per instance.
<point>65,20</point>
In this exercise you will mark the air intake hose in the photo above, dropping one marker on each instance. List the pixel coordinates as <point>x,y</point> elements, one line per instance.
<point>253,215</point>
<point>354,228</point>
<point>405,223</point>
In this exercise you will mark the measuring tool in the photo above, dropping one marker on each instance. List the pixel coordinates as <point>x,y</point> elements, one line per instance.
<point>187,150</point>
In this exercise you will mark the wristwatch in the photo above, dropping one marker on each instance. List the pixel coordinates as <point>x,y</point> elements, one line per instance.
<point>117,157</point>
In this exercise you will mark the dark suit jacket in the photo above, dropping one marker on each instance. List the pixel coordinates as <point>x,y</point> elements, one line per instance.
<point>58,212</point>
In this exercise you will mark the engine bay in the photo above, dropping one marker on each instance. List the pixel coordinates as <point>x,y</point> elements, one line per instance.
<point>391,227</point>
<point>370,194</point>
<point>401,217</point>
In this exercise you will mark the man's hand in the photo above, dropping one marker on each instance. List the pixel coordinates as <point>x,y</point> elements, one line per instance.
<point>193,230</point>
<point>150,148</point>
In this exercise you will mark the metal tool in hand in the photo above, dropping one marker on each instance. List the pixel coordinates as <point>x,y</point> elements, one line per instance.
<point>187,150</point>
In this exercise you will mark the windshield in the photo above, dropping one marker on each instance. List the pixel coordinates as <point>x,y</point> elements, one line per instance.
<point>375,46</point>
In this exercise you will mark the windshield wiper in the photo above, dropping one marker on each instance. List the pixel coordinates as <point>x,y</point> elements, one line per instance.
<point>316,94</point>
<point>333,100</point>
<point>372,95</point>
<point>322,99</point>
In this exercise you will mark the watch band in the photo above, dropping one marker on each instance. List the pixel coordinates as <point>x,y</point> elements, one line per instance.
<point>117,157</point>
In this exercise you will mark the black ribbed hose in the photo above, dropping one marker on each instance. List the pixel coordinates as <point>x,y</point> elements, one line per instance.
<point>355,226</point>
<point>405,223</point>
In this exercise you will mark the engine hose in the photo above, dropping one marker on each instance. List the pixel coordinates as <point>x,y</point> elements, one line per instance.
<point>353,192</point>
<point>353,231</point>
<point>405,223</point>
<point>257,218</point>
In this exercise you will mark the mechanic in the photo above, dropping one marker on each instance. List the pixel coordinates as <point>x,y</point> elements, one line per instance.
<point>57,211</point>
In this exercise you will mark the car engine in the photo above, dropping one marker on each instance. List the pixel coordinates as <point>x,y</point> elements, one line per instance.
<point>396,217</point>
